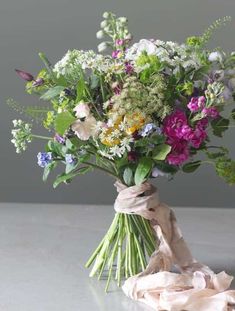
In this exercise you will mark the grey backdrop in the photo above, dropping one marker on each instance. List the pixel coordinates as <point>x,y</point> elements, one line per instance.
<point>53,26</point>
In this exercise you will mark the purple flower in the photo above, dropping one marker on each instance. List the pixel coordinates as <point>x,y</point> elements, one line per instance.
<point>44,158</point>
<point>38,82</point>
<point>24,75</point>
<point>199,135</point>
<point>211,112</point>
<point>129,69</point>
<point>120,42</point>
<point>132,156</point>
<point>203,123</point>
<point>59,139</point>
<point>116,54</point>
<point>70,159</point>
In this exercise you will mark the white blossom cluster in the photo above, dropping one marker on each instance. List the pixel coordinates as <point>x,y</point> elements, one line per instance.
<point>21,135</point>
<point>74,60</point>
<point>171,53</point>
<point>117,150</point>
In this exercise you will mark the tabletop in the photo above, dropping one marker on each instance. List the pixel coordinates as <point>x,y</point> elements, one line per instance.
<point>43,249</point>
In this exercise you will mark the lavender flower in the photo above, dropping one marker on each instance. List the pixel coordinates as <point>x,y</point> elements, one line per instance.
<point>44,158</point>
<point>59,139</point>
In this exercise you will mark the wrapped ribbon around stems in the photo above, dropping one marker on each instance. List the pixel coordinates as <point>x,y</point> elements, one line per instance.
<point>196,287</point>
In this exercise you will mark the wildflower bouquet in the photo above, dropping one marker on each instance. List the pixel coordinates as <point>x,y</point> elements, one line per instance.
<point>146,110</point>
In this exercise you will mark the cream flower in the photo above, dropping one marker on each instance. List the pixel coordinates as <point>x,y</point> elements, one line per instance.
<point>84,129</point>
<point>82,110</point>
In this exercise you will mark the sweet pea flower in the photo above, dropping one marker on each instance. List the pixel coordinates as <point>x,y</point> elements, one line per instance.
<point>82,110</point>
<point>84,127</point>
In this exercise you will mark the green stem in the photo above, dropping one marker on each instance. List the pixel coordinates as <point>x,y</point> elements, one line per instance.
<point>102,169</point>
<point>41,137</point>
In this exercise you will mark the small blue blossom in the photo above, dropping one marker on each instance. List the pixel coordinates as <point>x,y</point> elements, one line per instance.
<point>44,158</point>
<point>70,159</point>
<point>149,129</point>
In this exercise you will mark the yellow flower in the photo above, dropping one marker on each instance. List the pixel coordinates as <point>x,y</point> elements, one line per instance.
<point>108,140</point>
<point>134,122</point>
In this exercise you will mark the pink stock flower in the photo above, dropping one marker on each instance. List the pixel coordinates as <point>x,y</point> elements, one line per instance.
<point>199,135</point>
<point>211,112</point>
<point>203,123</point>
<point>175,124</point>
<point>196,103</point>
<point>179,153</point>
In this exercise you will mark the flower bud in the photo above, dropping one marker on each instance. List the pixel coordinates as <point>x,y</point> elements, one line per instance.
<point>106,15</point>
<point>100,34</point>
<point>102,46</point>
<point>122,20</point>
<point>104,24</point>
<point>24,75</point>
<point>38,82</point>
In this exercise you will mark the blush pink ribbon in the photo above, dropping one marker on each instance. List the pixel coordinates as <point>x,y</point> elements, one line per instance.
<point>197,287</point>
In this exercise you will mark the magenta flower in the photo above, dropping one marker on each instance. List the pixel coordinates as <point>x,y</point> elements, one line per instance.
<point>199,136</point>
<point>203,123</point>
<point>211,112</point>
<point>175,125</point>
<point>116,54</point>
<point>196,103</point>
<point>129,69</point>
<point>179,153</point>
<point>120,42</point>
<point>24,75</point>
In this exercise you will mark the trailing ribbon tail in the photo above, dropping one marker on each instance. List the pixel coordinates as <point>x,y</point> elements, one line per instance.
<point>197,288</point>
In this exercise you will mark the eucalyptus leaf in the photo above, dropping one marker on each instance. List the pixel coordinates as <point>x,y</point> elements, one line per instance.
<point>62,122</point>
<point>53,92</point>
<point>143,169</point>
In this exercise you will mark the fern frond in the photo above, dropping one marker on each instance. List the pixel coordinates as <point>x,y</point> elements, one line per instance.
<point>35,113</point>
<point>216,25</point>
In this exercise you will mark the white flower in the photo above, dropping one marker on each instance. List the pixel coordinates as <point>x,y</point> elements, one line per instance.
<point>100,34</point>
<point>215,57</point>
<point>102,46</point>
<point>82,110</point>
<point>84,129</point>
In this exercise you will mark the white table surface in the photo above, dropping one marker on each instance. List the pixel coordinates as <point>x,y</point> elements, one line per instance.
<point>43,249</point>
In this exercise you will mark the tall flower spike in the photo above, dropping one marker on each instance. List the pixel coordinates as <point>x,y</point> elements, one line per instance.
<point>24,75</point>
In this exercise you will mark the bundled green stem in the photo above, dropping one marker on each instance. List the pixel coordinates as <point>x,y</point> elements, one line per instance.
<point>124,249</point>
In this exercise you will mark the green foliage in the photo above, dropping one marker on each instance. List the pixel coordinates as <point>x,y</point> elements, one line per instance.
<point>67,178</point>
<point>143,170</point>
<point>52,93</point>
<point>63,121</point>
<point>48,169</point>
<point>219,126</point>
<point>49,121</point>
<point>194,41</point>
<point>35,113</point>
<point>225,168</point>
<point>161,151</point>
<point>191,166</point>
<point>166,168</point>
<point>128,176</point>
<point>152,64</point>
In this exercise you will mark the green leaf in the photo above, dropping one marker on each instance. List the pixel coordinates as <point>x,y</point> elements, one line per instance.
<point>70,167</point>
<point>64,178</point>
<point>48,169</point>
<point>55,147</point>
<point>191,166</point>
<point>219,126</point>
<point>63,121</point>
<point>233,114</point>
<point>128,176</point>
<point>161,151</point>
<point>166,168</point>
<point>53,92</point>
<point>81,86</point>
<point>143,169</point>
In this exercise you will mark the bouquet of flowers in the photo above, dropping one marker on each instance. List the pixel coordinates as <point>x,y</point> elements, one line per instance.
<point>143,111</point>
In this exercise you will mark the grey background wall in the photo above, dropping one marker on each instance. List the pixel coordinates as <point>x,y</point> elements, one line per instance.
<point>53,26</point>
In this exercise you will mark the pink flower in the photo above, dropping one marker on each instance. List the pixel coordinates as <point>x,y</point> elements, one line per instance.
<point>196,103</point>
<point>120,42</point>
<point>116,54</point>
<point>175,125</point>
<point>203,123</point>
<point>199,135</point>
<point>82,110</point>
<point>179,153</point>
<point>211,112</point>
